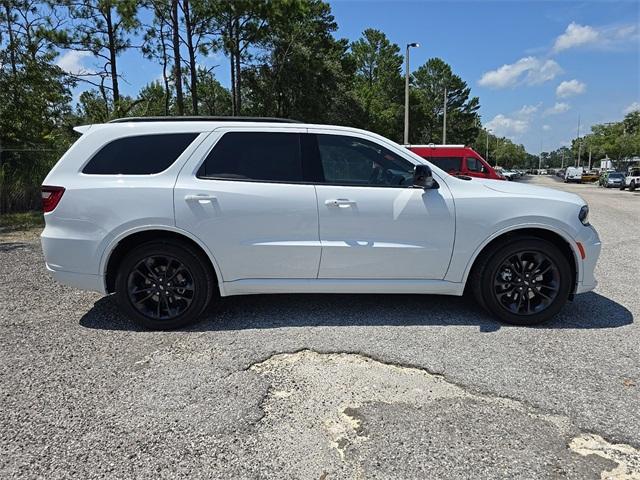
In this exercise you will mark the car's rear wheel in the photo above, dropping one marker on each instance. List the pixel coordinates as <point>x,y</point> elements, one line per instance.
<point>523,281</point>
<point>164,284</point>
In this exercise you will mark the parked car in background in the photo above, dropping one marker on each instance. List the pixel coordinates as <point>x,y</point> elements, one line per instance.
<point>632,181</point>
<point>589,177</point>
<point>611,179</point>
<point>167,215</point>
<point>560,173</point>
<point>456,160</point>
<point>508,174</point>
<point>542,172</point>
<point>573,174</point>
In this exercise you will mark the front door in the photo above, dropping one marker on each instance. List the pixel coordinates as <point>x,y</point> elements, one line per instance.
<point>475,168</point>
<point>249,204</point>
<point>373,223</point>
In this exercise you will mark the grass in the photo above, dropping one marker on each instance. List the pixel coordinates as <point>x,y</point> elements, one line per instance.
<point>21,221</point>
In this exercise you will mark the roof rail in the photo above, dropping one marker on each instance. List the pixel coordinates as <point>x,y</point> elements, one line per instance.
<point>433,145</point>
<point>203,119</point>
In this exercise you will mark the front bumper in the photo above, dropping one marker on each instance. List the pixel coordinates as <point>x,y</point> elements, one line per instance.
<point>592,246</point>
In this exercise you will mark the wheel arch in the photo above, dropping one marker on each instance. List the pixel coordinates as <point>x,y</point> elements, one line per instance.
<point>560,239</point>
<point>119,247</point>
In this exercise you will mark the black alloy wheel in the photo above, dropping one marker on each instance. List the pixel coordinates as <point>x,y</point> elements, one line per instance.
<point>526,283</point>
<point>164,284</point>
<point>522,280</point>
<point>160,287</point>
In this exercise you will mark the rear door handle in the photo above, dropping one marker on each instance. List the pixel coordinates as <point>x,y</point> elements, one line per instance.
<point>199,197</point>
<point>340,202</point>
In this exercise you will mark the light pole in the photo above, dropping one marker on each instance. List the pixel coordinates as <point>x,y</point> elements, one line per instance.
<point>406,92</point>
<point>486,148</point>
<point>444,119</point>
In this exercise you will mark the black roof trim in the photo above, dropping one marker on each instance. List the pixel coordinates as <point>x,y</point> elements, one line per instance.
<point>204,119</point>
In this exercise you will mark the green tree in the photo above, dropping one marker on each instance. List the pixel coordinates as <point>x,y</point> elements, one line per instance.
<point>213,98</point>
<point>34,102</point>
<point>303,72</point>
<point>430,81</point>
<point>241,26</point>
<point>378,86</point>
<point>102,28</point>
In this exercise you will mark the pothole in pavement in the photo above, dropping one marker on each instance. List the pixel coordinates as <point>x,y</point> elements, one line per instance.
<point>627,457</point>
<point>348,414</point>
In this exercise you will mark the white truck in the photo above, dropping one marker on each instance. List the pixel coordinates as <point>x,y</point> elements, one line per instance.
<point>632,181</point>
<point>573,174</point>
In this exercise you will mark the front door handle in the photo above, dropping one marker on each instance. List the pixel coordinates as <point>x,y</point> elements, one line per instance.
<point>340,202</point>
<point>199,197</point>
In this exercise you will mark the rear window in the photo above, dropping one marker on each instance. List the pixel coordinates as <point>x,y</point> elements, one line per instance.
<point>256,156</point>
<point>447,164</point>
<point>139,155</point>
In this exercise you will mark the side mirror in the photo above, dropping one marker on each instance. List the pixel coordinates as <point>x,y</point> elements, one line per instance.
<point>422,177</point>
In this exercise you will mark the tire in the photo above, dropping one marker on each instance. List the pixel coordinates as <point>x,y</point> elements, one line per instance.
<point>164,262</point>
<point>632,186</point>
<point>623,186</point>
<point>490,270</point>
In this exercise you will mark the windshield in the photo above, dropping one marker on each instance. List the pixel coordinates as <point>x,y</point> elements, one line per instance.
<point>616,175</point>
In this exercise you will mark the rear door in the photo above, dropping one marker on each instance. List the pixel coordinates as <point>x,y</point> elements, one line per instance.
<point>249,203</point>
<point>373,223</point>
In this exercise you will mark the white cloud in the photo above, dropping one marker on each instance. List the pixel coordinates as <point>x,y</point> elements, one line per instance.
<point>576,35</point>
<point>559,107</point>
<point>569,88</point>
<point>600,37</point>
<point>635,106</point>
<point>546,128</point>
<point>527,70</point>
<point>71,62</point>
<point>505,126</point>
<point>527,110</point>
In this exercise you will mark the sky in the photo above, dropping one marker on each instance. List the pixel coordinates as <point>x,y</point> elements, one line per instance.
<point>538,67</point>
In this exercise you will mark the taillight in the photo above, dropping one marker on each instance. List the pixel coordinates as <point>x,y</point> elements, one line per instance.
<point>50,197</point>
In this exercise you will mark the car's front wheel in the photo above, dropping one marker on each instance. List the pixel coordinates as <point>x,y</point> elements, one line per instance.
<point>523,281</point>
<point>164,284</point>
<point>632,186</point>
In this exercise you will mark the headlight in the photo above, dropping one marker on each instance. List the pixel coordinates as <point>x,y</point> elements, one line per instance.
<point>584,215</point>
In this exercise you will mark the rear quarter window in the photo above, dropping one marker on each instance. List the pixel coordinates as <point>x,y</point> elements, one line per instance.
<point>139,155</point>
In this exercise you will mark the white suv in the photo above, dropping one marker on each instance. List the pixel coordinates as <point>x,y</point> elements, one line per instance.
<point>166,213</point>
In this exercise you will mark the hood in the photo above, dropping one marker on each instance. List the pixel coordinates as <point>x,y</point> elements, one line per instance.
<point>523,189</point>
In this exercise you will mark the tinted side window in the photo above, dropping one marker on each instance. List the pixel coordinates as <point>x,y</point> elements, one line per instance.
<point>448,164</point>
<point>260,156</point>
<point>139,155</point>
<point>354,161</point>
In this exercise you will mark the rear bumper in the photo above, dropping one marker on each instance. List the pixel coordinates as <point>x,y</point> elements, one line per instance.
<point>83,281</point>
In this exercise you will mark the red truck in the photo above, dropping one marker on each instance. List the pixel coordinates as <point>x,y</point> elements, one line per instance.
<point>456,160</point>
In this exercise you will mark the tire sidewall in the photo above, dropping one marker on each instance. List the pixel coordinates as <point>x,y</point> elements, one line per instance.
<point>495,262</point>
<point>197,268</point>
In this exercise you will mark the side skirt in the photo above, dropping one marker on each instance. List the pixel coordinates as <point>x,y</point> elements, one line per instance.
<point>328,285</point>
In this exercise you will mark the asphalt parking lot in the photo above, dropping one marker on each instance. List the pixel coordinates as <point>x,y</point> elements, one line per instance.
<point>325,386</point>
